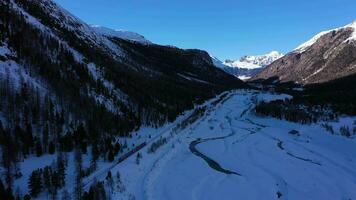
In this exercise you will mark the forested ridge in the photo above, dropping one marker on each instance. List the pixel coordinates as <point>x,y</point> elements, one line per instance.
<point>61,91</point>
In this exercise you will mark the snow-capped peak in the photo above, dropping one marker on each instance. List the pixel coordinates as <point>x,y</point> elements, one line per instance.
<point>301,48</point>
<point>352,25</point>
<point>253,62</point>
<point>126,35</point>
<point>262,60</point>
<point>248,62</point>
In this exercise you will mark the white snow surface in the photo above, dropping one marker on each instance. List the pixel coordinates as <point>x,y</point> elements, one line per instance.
<point>352,25</point>
<point>126,35</point>
<point>313,165</point>
<point>243,77</point>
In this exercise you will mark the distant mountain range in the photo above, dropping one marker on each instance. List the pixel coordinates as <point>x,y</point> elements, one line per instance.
<point>328,56</point>
<point>247,66</point>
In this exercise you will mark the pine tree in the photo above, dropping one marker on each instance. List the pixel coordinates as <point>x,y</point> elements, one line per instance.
<point>61,169</point>
<point>27,197</point>
<point>94,157</point>
<point>78,175</point>
<point>35,183</point>
<point>138,157</point>
<point>2,189</point>
<point>111,156</point>
<point>29,135</point>
<point>45,136</point>
<point>51,148</point>
<point>9,157</point>
<point>47,176</point>
<point>39,150</point>
<point>2,133</point>
<point>110,181</point>
<point>8,194</point>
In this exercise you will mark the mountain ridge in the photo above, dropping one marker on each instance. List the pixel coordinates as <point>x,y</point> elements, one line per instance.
<point>327,56</point>
<point>127,84</point>
<point>247,66</point>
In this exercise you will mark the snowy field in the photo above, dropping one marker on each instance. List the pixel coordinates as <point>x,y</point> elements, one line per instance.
<point>245,157</point>
<point>228,153</point>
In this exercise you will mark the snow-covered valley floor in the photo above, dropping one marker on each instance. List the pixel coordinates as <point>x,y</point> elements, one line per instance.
<point>226,153</point>
<point>237,155</point>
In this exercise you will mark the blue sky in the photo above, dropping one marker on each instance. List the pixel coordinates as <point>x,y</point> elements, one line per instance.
<point>225,28</point>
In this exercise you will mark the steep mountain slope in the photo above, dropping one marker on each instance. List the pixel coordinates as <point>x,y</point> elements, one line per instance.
<point>247,66</point>
<point>40,30</point>
<point>64,85</point>
<point>327,56</point>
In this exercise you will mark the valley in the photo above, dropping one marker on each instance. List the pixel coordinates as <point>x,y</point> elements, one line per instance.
<point>228,156</point>
<point>95,113</point>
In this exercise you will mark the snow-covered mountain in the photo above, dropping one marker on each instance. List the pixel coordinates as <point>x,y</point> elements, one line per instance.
<point>126,35</point>
<point>253,62</point>
<point>327,56</point>
<point>247,66</point>
<point>303,47</point>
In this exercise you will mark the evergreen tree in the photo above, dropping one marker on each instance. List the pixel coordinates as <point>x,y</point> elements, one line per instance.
<point>8,194</point>
<point>51,148</point>
<point>2,133</point>
<point>39,150</point>
<point>110,181</point>
<point>83,147</point>
<point>2,189</point>
<point>111,156</point>
<point>78,175</point>
<point>45,137</point>
<point>29,135</point>
<point>47,176</point>
<point>35,183</point>
<point>27,197</point>
<point>138,157</point>
<point>94,157</point>
<point>61,169</point>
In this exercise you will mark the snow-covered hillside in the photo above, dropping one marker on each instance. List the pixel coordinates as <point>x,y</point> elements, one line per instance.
<point>327,56</point>
<point>301,48</point>
<point>126,35</point>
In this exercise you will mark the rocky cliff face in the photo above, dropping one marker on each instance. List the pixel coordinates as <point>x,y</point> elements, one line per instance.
<point>328,56</point>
